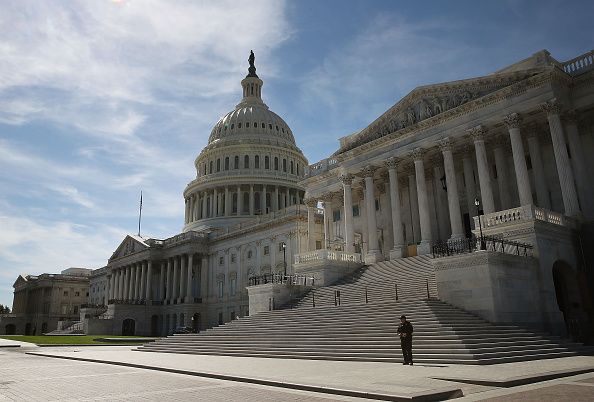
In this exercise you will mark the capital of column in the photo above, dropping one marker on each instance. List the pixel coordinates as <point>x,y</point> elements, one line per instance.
<point>445,144</point>
<point>551,107</point>
<point>368,171</point>
<point>311,202</point>
<point>391,163</point>
<point>477,133</point>
<point>346,179</point>
<point>512,120</point>
<point>327,197</point>
<point>417,154</point>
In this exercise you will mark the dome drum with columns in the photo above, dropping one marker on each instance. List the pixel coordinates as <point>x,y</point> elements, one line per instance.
<point>251,165</point>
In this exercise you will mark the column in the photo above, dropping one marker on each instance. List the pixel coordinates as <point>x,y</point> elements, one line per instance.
<point>311,204</point>
<point>251,199</point>
<point>425,246</point>
<point>182,278</point>
<point>578,163</point>
<point>283,200</point>
<point>349,234</point>
<point>112,288</point>
<point>168,285</point>
<point>187,211</point>
<point>142,292</point>
<point>162,281</point>
<point>502,178</point>
<point>196,211</point>
<point>327,205</point>
<point>275,200</point>
<point>189,279</point>
<point>477,133</point>
<point>175,283</point>
<point>239,201</point>
<point>204,278</point>
<point>568,191</point>
<point>138,281</point>
<point>149,281</point>
<point>126,288</point>
<point>399,247</point>
<point>452,186</point>
<point>107,292</point>
<point>469,183</point>
<point>215,203</point>
<point>540,182</point>
<point>443,216</point>
<point>227,202</point>
<point>414,208</point>
<point>373,251</point>
<point>263,203</point>
<point>524,191</point>
<point>204,205</point>
<point>121,275</point>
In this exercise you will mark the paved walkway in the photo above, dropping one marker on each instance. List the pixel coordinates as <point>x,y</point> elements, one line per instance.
<point>393,381</point>
<point>9,343</point>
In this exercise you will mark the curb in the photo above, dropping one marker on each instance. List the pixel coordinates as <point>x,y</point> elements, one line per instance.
<point>429,396</point>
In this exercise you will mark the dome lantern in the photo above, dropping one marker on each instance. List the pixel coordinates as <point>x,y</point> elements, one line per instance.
<point>252,84</point>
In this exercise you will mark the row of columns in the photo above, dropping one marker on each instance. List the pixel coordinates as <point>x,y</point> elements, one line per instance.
<point>134,282</point>
<point>418,187</point>
<point>219,201</point>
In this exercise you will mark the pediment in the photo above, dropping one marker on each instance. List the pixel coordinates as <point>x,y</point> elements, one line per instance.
<point>20,280</point>
<point>429,101</point>
<point>130,245</point>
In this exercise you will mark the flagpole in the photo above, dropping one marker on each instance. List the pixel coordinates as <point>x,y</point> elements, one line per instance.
<point>140,213</point>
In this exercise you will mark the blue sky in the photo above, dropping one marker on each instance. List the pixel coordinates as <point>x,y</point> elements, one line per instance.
<point>99,99</point>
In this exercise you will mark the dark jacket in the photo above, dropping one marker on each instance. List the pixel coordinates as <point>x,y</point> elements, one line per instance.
<point>405,328</point>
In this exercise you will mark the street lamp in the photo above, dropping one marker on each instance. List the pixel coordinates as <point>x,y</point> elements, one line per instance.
<point>284,245</point>
<point>477,203</point>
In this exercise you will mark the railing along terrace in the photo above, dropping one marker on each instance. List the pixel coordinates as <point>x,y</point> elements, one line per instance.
<point>579,64</point>
<point>523,213</point>
<point>488,243</point>
<point>127,301</point>
<point>185,237</point>
<point>328,255</point>
<point>322,166</point>
<point>282,279</point>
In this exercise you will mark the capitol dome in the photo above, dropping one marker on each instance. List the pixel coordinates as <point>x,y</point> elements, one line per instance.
<point>251,165</point>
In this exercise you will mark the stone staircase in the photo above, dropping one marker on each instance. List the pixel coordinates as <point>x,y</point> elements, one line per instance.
<point>74,328</point>
<point>356,330</point>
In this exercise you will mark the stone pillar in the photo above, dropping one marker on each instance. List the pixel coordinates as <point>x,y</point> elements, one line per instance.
<point>142,294</point>
<point>137,270</point>
<point>149,281</point>
<point>311,204</point>
<point>578,162</point>
<point>477,133</point>
<point>275,199</point>
<point>373,251</point>
<point>452,186</point>
<point>175,290</point>
<point>121,277</point>
<point>197,212</point>
<point>239,201</point>
<point>251,199</point>
<point>204,278</point>
<point>349,234</point>
<point>162,281</point>
<point>227,202</point>
<point>263,203</point>
<point>182,278</point>
<point>425,246</point>
<point>414,208</point>
<point>441,201</point>
<point>107,292</point>
<point>542,192</point>
<point>568,191</point>
<point>204,205</point>
<point>169,285</point>
<point>327,205</point>
<point>469,183</point>
<point>502,178</point>
<point>187,211</point>
<point>513,122</point>
<point>189,279</point>
<point>215,203</point>
<point>127,282</point>
<point>398,249</point>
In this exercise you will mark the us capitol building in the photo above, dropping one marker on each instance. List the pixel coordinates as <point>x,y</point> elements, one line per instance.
<point>511,148</point>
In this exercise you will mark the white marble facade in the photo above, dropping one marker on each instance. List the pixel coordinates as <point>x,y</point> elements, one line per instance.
<point>520,136</point>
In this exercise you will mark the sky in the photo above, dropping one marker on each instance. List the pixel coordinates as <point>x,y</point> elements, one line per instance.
<point>102,99</point>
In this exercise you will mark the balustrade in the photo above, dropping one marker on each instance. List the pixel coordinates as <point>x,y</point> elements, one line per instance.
<point>328,255</point>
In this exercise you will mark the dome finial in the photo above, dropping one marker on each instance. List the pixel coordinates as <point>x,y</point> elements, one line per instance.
<point>252,68</point>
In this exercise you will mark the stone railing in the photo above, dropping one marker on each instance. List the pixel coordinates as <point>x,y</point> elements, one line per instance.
<point>523,214</point>
<point>580,64</point>
<point>320,167</point>
<point>187,236</point>
<point>328,255</point>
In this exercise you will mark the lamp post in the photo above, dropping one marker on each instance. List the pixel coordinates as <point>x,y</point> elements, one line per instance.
<point>477,203</point>
<point>285,256</point>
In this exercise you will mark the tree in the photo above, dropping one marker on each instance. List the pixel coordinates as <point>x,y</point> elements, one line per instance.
<point>4,309</point>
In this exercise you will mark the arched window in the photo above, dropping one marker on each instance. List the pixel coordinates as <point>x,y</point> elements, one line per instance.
<point>226,163</point>
<point>284,165</point>
<point>246,162</point>
<point>263,125</point>
<point>266,162</point>
<point>292,170</point>
<point>236,163</point>
<point>275,163</point>
<point>257,162</point>
<point>218,164</point>
<point>210,167</point>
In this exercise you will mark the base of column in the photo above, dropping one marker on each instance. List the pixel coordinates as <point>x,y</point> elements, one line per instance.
<point>424,247</point>
<point>397,252</point>
<point>373,256</point>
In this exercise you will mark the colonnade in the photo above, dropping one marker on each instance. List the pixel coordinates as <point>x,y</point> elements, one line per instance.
<point>252,199</point>
<point>133,282</point>
<point>418,191</point>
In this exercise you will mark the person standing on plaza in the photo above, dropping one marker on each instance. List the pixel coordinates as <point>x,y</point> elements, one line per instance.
<point>405,330</point>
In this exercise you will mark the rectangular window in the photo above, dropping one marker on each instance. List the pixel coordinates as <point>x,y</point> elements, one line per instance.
<point>221,289</point>
<point>266,250</point>
<point>232,257</point>
<point>318,244</point>
<point>355,210</point>
<point>377,204</point>
<point>232,283</point>
<point>75,309</point>
<point>336,215</point>
<point>77,294</point>
<point>221,260</point>
<point>65,293</point>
